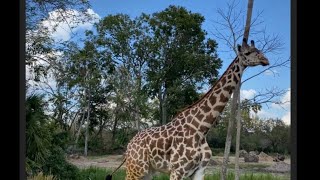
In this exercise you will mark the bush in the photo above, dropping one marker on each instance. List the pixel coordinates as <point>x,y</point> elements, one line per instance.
<point>99,173</point>
<point>41,176</point>
<point>57,165</point>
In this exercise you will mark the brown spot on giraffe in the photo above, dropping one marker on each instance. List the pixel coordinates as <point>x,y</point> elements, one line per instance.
<point>199,116</point>
<point>223,81</point>
<point>205,107</point>
<point>210,119</point>
<point>218,108</point>
<point>217,87</point>
<point>223,98</point>
<point>212,99</point>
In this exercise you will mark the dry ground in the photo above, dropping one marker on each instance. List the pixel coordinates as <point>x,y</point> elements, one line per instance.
<point>264,164</point>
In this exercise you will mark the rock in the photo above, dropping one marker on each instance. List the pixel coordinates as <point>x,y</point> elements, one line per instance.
<point>254,152</point>
<point>214,162</point>
<point>279,167</point>
<point>242,153</point>
<point>251,157</point>
<point>278,158</point>
<point>74,156</point>
<point>264,157</point>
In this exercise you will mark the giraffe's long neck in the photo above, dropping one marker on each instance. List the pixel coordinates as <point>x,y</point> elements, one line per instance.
<point>201,116</point>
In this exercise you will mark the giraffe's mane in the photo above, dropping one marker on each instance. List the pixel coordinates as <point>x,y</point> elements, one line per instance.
<point>205,95</point>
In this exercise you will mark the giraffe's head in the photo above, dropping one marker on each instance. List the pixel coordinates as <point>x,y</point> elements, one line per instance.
<point>250,55</point>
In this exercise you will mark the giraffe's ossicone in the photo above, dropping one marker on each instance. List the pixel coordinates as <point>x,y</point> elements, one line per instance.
<point>180,147</point>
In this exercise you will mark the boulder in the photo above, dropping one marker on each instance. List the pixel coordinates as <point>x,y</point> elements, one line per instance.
<point>278,158</point>
<point>242,153</point>
<point>279,167</point>
<point>251,157</point>
<point>264,157</point>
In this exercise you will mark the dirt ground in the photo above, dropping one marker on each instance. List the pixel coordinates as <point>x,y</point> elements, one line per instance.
<point>264,165</point>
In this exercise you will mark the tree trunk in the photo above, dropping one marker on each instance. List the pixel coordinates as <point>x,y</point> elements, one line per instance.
<point>114,129</point>
<point>229,134</point>
<point>79,130</point>
<point>236,167</point>
<point>164,107</point>
<point>248,20</point>
<point>138,102</point>
<point>238,118</point>
<point>87,128</point>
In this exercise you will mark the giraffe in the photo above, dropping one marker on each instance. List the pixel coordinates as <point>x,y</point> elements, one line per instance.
<point>179,147</point>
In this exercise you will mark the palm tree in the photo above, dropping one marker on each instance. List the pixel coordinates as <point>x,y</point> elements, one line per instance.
<point>38,136</point>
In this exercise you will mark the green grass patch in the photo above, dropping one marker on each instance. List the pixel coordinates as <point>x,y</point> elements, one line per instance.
<point>94,173</point>
<point>247,176</point>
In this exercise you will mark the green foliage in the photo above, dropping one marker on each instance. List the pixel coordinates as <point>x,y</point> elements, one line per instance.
<point>269,136</point>
<point>181,58</point>
<point>57,165</point>
<point>41,176</point>
<point>99,173</point>
<point>94,173</point>
<point>45,142</point>
<point>38,137</point>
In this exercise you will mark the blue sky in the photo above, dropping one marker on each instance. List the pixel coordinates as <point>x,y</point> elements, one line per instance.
<point>275,17</point>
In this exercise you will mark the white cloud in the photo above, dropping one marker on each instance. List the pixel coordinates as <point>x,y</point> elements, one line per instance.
<point>284,101</point>
<point>264,114</point>
<point>45,82</point>
<point>271,72</point>
<point>60,23</point>
<point>280,110</point>
<point>247,94</point>
<point>287,118</point>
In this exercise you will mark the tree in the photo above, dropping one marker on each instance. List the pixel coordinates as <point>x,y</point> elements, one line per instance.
<point>181,58</point>
<point>232,21</point>
<point>38,137</point>
<point>85,70</point>
<point>44,142</point>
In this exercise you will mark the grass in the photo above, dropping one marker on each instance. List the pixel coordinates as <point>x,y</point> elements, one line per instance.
<point>94,173</point>
<point>41,176</point>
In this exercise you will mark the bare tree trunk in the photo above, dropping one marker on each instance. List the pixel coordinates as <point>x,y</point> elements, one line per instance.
<point>248,20</point>
<point>236,163</point>
<point>114,130</point>
<point>79,130</point>
<point>138,102</point>
<point>164,108</point>
<point>137,117</point>
<point>238,118</point>
<point>229,134</point>
<point>87,128</point>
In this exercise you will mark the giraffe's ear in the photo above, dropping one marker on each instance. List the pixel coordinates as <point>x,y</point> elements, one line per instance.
<point>245,40</point>
<point>252,43</point>
<point>239,48</point>
<point>245,43</point>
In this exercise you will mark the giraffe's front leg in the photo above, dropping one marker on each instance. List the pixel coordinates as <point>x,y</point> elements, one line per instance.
<point>206,156</point>
<point>199,174</point>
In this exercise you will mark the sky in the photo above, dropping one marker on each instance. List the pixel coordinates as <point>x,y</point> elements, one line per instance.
<point>275,16</point>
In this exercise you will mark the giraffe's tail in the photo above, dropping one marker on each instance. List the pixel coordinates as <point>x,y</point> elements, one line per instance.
<point>109,176</point>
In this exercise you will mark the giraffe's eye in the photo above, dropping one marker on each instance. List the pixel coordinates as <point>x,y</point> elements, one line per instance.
<point>247,53</point>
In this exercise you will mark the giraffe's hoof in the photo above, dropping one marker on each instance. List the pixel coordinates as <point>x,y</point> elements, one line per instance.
<point>109,177</point>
